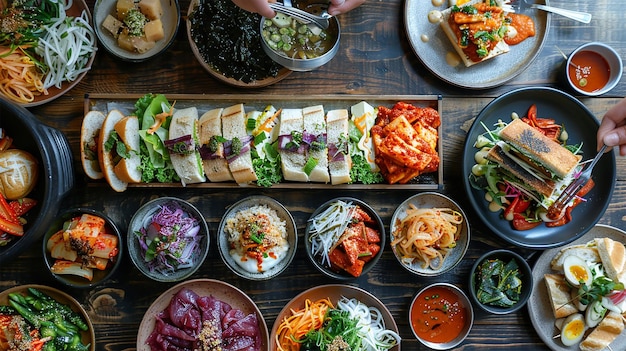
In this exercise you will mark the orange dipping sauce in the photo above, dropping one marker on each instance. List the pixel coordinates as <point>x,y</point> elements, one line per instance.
<point>588,71</point>
<point>437,315</point>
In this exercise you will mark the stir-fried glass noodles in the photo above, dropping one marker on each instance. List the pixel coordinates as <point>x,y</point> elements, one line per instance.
<point>49,49</point>
<point>427,235</point>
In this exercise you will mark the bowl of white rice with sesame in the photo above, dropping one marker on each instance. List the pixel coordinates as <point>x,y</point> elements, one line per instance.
<point>257,238</point>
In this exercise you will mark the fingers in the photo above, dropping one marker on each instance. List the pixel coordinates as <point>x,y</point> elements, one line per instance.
<point>342,6</point>
<point>612,131</point>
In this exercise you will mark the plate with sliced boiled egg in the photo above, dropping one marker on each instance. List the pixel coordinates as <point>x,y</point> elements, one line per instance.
<point>583,261</point>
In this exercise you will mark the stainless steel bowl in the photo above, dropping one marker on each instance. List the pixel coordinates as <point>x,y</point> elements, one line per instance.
<point>304,65</point>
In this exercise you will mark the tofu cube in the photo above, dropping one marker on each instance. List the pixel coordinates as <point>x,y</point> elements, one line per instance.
<point>151,9</point>
<point>113,25</point>
<point>154,30</point>
<point>122,7</point>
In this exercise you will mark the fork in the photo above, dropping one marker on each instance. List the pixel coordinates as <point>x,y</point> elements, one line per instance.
<point>300,15</point>
<point>521,5</point>
<point>557,209</point>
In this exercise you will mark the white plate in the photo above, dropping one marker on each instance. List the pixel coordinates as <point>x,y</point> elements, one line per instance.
<point>485,75</point>
<point>539,306</point>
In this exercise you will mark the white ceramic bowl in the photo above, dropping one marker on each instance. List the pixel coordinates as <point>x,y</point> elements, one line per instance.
<point>170,19</point>
<point>577,72</point>
<point>442,291</point>
<point>224,244</point>
<point>429,200</point>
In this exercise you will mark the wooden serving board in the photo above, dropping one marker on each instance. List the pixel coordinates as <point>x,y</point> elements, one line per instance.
<point>432,181</point>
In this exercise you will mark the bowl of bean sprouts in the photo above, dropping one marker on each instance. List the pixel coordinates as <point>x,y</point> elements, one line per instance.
<point>344,238</point>
<point>50,55</point>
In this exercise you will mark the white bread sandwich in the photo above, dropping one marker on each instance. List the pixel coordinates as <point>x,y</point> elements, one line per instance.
<point>182,146</point>
<point>237,146</point>
<point>613,256</point>
<point>291,146</point>
<point>314,125</point>
<point>541,166</point>
<point>339,161</point>
<point>212,147</point>
<point>608,330</point>
<point>119,150</point>
<point>89,134</point>
<point>472,35</point>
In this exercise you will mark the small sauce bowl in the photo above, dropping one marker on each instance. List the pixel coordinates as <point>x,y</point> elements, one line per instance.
<point>441,316</point>
<point>593,69</point>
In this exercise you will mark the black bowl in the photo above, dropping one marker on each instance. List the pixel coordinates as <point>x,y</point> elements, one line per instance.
<point>56,173</point>
<point>526,277</point>
<point>343,275</point>
<point>99,276</point>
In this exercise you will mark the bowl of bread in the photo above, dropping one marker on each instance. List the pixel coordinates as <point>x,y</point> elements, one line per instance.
<point>36,173</point>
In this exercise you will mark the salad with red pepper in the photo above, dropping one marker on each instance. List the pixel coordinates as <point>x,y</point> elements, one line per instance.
<point>524,208</point>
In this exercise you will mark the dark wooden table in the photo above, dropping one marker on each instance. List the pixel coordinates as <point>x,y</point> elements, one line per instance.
<point>374,59</point>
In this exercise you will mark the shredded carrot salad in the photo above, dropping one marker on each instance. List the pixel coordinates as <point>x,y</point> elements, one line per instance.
<point>295,327</point>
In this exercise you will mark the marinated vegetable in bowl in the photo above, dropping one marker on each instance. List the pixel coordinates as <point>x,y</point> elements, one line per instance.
<point>169,239</point>
<point>293,39</point>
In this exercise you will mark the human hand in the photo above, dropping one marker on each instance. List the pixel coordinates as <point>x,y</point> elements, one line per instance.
<point>612,131</point>
<point>257,6</point>
<point>342,6</point>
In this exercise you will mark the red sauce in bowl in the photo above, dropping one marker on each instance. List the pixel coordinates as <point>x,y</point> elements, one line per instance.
<point>437,315</point>
<point>588,71</point>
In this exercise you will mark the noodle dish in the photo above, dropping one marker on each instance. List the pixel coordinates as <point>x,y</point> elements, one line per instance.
<point>43,48</point>
<point>429,234</point>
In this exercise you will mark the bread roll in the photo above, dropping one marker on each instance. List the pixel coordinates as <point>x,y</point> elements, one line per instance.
<point>129,169</point>
<point>89,132</point>
<point>18,173</point>
<point>609,328</point>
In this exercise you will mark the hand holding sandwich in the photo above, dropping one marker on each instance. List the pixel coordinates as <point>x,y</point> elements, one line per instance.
<point>612,131</point>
